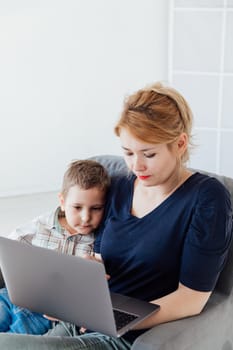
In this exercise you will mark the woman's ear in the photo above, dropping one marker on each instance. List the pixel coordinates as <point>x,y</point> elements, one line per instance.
<point>62,201</point>
<point>182,143</point>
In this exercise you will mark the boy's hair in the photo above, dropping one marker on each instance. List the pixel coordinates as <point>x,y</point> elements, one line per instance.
<point>86,174</point>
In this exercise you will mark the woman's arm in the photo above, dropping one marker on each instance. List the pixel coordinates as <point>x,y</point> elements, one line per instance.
<point>206,245</point>
<point>182,303</point>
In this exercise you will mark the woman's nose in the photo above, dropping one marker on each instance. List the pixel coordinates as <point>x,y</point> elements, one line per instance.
<point>139,164</point>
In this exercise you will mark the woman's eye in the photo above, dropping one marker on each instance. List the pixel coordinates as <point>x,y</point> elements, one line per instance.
<point>128,154</point>
<point>77,208</point>
<point>151,155</point>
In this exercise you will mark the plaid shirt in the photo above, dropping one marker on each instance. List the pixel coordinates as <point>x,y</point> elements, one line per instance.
<point>46,232</point>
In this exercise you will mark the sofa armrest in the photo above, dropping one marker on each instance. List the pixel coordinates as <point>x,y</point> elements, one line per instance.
<point>211,330</point>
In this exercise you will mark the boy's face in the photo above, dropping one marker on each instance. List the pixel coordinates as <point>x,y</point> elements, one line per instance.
<point>83,209</point>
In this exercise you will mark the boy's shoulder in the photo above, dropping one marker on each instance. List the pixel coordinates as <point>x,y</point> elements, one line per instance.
<point>32,227</point>
<point>48,218</point>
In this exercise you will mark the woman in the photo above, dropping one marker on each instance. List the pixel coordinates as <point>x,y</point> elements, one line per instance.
<point>167,230</point>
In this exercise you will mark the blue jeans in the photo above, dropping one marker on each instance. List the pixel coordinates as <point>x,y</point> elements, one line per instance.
<point>14,319</point>
<point>89,341</point>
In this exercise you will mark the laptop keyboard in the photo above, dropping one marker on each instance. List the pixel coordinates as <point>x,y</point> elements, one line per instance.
<point>123,318</point>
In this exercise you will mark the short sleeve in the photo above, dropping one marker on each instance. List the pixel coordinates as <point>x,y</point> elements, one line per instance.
<point>28,231</point>
<point>208,238</point>
<point>97,243</point>
<point>115,188</point>
<point>99,231</point>
<point>25,232</point>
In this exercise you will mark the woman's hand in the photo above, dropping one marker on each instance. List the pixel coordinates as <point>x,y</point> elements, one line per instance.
<point>96,257</point>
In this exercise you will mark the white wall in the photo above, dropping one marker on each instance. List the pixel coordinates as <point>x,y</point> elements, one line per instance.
<point>201,67</point>
<point>65,67</point>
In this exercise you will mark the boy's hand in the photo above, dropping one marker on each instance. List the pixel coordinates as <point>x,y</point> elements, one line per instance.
<point>51,318</point>
<point>82,330</point>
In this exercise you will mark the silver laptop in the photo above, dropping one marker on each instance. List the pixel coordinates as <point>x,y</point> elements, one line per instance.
<point>67,287</point>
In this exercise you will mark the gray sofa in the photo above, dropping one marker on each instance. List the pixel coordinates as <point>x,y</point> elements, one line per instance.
<point>213,328</point>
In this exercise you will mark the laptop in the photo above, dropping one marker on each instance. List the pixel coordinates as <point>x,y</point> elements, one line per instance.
<point>68,288</point>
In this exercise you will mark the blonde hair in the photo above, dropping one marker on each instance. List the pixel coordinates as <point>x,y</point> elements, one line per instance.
<point>157,114</point>
<point>86,174</point>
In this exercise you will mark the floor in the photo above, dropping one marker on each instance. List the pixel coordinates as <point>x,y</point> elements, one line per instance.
<point>20,209</point>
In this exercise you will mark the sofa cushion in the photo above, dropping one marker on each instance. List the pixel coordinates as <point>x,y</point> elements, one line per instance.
<point>114,164</point>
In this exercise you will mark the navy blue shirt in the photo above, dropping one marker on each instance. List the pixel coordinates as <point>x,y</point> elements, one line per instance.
<point>185,239</point>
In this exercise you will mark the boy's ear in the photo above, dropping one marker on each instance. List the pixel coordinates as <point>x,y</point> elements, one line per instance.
<point>61,200</point>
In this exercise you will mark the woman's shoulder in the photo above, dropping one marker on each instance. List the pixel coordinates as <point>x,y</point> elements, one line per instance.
<point>208,183</point>
<point>209,191</point>
<point>120,191</point>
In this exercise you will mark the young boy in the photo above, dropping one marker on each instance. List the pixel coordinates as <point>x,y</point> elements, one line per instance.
<point>69,229</point>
